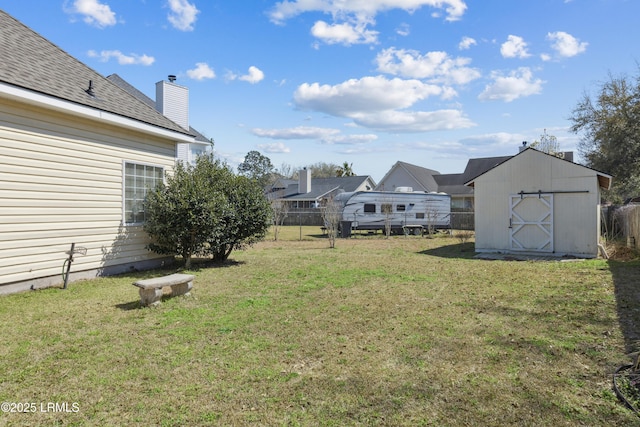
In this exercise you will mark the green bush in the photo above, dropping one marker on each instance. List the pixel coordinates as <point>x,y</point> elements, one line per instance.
<point>205,210</point>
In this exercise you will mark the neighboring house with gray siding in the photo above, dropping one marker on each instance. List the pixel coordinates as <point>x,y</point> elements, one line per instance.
<point>79,153</point>
<point>304,197</point>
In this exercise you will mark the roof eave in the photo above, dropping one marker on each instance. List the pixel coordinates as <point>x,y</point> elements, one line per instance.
<point>53,103</point>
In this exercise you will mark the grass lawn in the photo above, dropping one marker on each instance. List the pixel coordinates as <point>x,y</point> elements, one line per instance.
<point>405,331</point>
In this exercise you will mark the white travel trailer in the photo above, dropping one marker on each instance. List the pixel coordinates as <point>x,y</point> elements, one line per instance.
<point>404,210</point>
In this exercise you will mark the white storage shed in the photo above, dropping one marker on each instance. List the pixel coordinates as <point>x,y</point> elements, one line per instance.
<point>537,203</point>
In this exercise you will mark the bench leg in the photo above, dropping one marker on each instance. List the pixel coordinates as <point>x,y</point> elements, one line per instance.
<point>150,296</point>
<point>181,288</point>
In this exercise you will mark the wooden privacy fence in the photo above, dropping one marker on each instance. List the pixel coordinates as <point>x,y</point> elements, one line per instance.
<point>622,223</point>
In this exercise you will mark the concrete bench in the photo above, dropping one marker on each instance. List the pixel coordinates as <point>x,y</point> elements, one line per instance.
<point>151,289</point>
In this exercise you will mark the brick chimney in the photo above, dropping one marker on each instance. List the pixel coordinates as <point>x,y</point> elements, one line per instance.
<point>172,100</point>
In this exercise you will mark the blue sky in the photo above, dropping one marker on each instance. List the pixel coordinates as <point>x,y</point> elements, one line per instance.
<point>369,82</point>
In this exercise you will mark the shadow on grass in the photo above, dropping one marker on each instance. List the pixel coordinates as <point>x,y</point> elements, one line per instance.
<point>133,305</point>
<point>199,264</point>
<point>458,250</point>
<point>626,277</point>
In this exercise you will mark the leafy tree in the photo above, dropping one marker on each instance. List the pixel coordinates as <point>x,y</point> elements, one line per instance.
<point>245,220</point>
<point>206,210</point>
<point>286,171</point>
<point>610,128</point>
<point>345,170</point>
<point>257,167</point>
<point>547,144</point>
<point>323,170</point>
<point>181,214</point>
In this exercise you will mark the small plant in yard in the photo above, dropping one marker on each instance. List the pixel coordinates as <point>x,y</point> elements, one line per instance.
<point>463,235</point>
<point>626,383</point>
<point>331,215</point>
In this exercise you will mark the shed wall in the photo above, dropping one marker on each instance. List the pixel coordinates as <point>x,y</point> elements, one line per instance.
<point>575,215</point>
<point>61,182</point>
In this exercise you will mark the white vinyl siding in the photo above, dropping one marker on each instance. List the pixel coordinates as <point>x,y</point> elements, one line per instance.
<point>61,182</point>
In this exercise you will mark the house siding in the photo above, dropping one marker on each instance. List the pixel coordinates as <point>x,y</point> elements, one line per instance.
<point>576,202</point>
<point>61,182</point>
<point>399,177</point>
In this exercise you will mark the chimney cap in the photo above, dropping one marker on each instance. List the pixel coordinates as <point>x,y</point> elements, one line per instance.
<point>172,78</point>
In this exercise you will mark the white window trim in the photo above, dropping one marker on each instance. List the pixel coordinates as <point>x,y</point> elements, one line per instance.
<point>124,187</point>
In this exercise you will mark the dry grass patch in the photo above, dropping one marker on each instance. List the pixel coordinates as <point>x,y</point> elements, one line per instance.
<point>401,331</point>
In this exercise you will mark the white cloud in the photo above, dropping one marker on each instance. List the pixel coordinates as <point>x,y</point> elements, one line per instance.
<point>274,147</point>
<point>324,135</point>
<point>183,14</point>
<point>254,76</point>
<point>350,139</point>
<point>95,13</point>
<point>519,83</point>
<point>565,44</point>
<point>403,30</point>
<point>201,72</point>
<point>300,132</point>
<point>287,9</point>
<point>436,66</point>
<point>466,43</point>
<point>365,95</point>
<point>495,140</point>
<point>414,121</point>
<point>514,47</point>
<point>379,103</point>
<point>131,59</point>
<point>345,33</point>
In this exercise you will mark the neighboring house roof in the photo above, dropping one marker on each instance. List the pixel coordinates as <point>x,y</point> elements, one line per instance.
<point>321,187</point>
<point>422,176</point>
<point>452,184</point>
<point>455,183</point>
<point>123,84</point>
<point>476,167</point>
<point>604,180</point>
<point>281,183</point>
<point>31,62</point>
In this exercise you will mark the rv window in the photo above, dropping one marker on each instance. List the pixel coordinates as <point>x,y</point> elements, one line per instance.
<point>419,215</point>
<point>369,208</point>
<point>400,208</point>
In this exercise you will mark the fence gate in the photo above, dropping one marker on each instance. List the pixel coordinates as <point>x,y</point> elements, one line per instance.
<point>531,222</point>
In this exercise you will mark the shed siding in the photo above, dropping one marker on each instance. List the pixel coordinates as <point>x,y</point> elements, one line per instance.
<point>61,182</point>
<point>575,215</point>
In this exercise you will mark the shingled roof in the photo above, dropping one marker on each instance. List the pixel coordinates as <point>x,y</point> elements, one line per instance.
<point>322,186</point>
<point>123,84</point>
<point>29,61</point>
<point>424,178</point>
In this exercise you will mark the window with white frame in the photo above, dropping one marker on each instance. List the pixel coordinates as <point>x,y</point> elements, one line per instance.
<point>138,179</point>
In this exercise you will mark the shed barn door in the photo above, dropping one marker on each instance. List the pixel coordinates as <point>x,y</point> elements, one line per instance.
<point>531,222</point>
